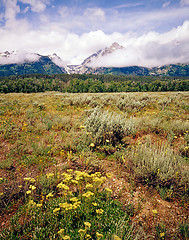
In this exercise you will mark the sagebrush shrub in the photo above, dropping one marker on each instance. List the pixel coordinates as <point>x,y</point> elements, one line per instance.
<point>105,126</point>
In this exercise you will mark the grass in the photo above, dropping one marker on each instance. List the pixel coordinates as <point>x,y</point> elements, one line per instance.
<point>139,139</point>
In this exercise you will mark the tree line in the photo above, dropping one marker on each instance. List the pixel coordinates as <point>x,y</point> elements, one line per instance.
<point>76,83</point>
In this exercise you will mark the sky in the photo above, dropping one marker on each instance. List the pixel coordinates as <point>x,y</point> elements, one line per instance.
<point>152,32</point>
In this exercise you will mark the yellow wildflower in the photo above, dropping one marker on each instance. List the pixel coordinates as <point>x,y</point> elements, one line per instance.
<point>74,182</point>
<point>87,224</point>
<point>74,199</point>
<point>154,211</point>
<point>32,187</point>
<point>162,234</point>
<point>1,193</point>
<point>108,190</point>
<point>88,194</point>
<point>92,145</point>
<point>88,236</point>
<point>49,195</point>
<point>81,231</point>
<point>89,186</point>
<point>99,235</point>
<point>39,205</point>
<point>66,237</point>
<point>109,175</point>
<point>28,192</point>
<point>56,210</point>
<point>49,175</point>
<point>115,237</point>
<point>99,211</point>
<point>1,178</point>
<point>32,180</point>
<point>62,186</point>
<point>27,179</point>
<point>94,204</point>
<point>61,231</point>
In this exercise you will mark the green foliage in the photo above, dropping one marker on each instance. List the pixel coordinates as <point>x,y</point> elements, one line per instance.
<point>78,204</point>
<point>91,83</point>
<point>6,164</point>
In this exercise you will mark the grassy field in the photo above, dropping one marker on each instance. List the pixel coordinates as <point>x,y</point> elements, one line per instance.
<point>94,166</point>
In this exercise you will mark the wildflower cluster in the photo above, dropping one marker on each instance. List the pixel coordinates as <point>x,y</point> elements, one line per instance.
<point>76,193</point>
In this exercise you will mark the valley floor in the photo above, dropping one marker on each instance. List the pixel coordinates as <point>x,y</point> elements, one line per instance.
<point>125,154</point>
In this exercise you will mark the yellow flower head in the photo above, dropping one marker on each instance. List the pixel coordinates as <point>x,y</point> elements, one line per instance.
<point>87,224</point>
<point>99,235</point>
<point>99,211</point>
<point>88,236</point>
<point>92,145</point>
<point>108,190</point>
<point>109,175</point>
<point>56,210</point>
<point>28,192</point>
<point>49,175</point>
<point>115,237</point>
<point>32,180</point>
<point>61,231</point>
<point>66,237</point>
<point>39,205</point>
<point>32,187</point>
<point>162,234</point>
<point>89,186</point>
<point>94,204</point>
<point>27,178</point>
<point>88,194</point>
<point>74,199</point>
<point>154,211</point>
<point>81,231</point>
<point>49,195</point>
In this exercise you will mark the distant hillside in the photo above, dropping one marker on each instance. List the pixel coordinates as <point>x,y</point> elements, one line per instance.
<point>43,66</point>
<point>16,63</point>
<point>168,70</point>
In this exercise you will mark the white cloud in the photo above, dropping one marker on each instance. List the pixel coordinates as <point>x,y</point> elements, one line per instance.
<point>142,46</point>
<point>166,4</point>
<point>36,5</point>
<point>95,14</point>
<point>64,11</point>
<point>19,57</point>
<point>150,49</point>
<point>184,2</point>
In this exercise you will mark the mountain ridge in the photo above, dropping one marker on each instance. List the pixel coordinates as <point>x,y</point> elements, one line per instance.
<point>30,63</point>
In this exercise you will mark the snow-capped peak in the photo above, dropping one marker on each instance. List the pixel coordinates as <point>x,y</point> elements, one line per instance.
<point>18,57</point>
<point>57,60</point>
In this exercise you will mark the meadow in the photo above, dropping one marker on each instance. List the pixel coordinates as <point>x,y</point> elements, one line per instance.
<point>94,165</point>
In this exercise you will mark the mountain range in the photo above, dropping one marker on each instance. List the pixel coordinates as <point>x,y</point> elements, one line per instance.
<point>17,63</point>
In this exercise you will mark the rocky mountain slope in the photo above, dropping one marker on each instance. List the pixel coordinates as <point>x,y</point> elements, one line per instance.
<point>16,63</point>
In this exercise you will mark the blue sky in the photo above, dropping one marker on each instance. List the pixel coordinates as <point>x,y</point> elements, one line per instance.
<point>74,29</point>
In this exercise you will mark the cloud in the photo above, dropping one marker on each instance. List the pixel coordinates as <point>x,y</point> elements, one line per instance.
<point>151,49</point>
<point>64,11</point>
<point>128,5</point>
<point>95,14</point>
<point>166,4</point>
<point>184,2</point>
<point>18,57</point>
<point>36,5</point>
<point>75,36</point>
